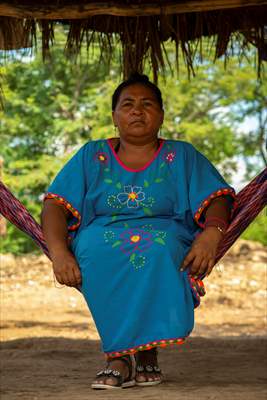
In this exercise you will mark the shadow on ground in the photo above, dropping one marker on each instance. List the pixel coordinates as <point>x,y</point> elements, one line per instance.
<point>58,368</point>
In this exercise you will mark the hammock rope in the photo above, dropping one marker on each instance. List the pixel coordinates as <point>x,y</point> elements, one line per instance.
<point>250,201</point>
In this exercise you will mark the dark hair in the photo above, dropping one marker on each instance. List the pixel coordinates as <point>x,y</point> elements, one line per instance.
<point>136,78</point>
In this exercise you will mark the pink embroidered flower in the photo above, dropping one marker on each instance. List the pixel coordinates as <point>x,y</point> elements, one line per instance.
<point>135,240</point>
<point>169,156</point>
<point>102,157</point>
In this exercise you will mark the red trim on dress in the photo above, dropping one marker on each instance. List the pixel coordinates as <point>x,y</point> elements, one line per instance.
<point>207,201</point>
<point>68,206</point>
<point>132,169</point>
<point>147,346</point>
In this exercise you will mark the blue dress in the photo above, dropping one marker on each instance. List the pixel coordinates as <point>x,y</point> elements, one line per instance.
<point>130,231</point>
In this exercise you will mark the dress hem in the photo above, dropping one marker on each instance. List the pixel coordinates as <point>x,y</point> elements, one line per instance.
<point>147,346</point>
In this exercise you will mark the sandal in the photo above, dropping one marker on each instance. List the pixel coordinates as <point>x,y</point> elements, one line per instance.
<point>121,382</point>
<point>148,369</point>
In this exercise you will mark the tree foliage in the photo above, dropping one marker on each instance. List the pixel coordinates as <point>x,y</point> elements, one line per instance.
<point>52,108</point>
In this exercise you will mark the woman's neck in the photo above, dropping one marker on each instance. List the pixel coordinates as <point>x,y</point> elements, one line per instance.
<point>118,145</point>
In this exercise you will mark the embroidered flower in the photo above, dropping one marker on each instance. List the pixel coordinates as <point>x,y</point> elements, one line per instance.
<point>102,157</point>
<point>160,234</point>
<point>109,236</point>
<point>169,156</point>
<point>135,240</point>
<point>131,196</point>
<point>138,261</point>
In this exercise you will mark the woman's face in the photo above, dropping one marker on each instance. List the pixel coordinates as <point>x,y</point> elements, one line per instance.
<point>138,115</point>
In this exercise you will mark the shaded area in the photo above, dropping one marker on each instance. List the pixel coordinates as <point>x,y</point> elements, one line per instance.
<point>219,368</point>
<point>141,28</point>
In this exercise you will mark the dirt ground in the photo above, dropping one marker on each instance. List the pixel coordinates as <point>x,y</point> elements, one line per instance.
<point>50,348</point>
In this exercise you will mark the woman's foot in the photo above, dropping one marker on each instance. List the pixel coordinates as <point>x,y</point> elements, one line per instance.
<point>148,372</point>
<point>117,374</point>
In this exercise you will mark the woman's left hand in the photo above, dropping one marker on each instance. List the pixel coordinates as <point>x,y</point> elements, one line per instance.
<point>202,253</point>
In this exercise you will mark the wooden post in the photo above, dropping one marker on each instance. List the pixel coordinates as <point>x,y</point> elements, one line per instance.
<point>2,219</point>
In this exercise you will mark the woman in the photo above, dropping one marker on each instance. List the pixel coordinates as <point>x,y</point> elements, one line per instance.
<point>146,216</point>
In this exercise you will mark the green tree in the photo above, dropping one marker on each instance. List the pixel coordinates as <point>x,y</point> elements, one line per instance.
<point>52,108</point>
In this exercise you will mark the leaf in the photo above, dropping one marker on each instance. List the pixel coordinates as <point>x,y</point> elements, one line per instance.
<point>117,243</point>
<point>132,257</point>
<point>108,180</point>
<point>107,169</point>
<point>147,211</point>
<point>160,241</point>
<point>114,217</point>
<point>158,180</point>
<point>118,185</point>
<point>162,165</point>
<point>146,184</point>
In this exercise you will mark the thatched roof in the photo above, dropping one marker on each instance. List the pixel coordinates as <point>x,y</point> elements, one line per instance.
<point>142,26</point>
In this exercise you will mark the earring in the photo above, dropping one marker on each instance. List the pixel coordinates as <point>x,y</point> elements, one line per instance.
<point>116,130</point>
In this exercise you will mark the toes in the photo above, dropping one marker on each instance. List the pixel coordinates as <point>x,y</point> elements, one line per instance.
<point>110,381</point>
<point>107,381</point>
<point>147,378</point>
<point>98,381</point>
<point>140,378</point>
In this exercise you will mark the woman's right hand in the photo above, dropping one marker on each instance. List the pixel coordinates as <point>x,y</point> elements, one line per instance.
<point>66,268</point>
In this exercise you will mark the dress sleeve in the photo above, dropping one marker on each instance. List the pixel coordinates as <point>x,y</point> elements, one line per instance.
<point>206,184</point>
<point>69,187</point>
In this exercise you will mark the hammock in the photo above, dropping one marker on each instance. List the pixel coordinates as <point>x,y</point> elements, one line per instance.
<point>250,201</point>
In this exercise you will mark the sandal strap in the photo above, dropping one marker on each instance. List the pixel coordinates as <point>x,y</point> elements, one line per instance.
<point>128,360</point>
<point>111,373</point>
<point>147,368</point>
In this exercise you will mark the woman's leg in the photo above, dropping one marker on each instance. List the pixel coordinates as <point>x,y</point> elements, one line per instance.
<point>114,364</point>
<point>147,358</point>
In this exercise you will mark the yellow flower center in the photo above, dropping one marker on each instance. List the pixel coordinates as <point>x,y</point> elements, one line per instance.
<point>132,195</point>
<point>101,158</point>
<point>135,238</point>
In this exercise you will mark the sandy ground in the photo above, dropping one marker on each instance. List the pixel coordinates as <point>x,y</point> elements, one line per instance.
<point>51,349</point>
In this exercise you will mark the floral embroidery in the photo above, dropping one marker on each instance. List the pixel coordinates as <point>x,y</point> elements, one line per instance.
<point>161,234</point>
<point>148,227</point>
<point>68,206</point>
<point>206,202</point>
<point>102,157</point>
<point>132,195</point>
<point>113,202</point>
<point>135,240</point>
<point>147,346</point>
<point>169,156</point>
<point>137,261</point>
<point>109,236</point>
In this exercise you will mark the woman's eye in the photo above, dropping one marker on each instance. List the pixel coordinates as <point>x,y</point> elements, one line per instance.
<point>147,103</point>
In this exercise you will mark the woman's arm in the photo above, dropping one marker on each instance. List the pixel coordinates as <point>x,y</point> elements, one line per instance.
<point>202,253</point>
<point>54,225</point>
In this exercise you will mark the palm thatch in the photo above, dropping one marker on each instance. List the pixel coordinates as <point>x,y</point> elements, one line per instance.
<point>141,26</point>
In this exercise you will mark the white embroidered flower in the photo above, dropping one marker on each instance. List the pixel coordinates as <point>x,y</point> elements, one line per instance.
<point>131,196</point>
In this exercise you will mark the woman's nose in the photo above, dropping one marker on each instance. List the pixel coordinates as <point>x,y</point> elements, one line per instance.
<point>137,108</point>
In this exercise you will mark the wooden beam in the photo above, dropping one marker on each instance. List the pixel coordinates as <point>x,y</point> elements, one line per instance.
<point>31,9</point>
